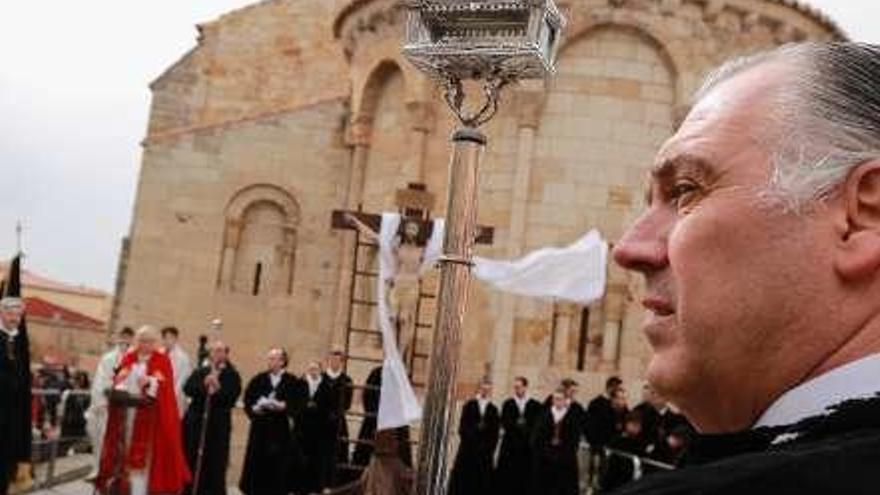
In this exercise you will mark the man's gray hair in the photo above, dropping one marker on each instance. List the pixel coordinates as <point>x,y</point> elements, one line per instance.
<point>826,119</point>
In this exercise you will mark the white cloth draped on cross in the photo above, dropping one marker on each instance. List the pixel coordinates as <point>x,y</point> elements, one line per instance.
<point>575,273</point>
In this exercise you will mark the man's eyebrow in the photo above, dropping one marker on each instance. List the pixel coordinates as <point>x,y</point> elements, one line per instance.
<point>684,162</point>
<point>668,168</point>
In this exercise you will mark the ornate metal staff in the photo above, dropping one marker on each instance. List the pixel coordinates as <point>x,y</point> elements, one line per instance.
<point>216,327</point>
<point>497,42</point>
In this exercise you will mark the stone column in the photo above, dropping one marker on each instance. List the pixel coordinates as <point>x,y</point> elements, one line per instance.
<point>564,320</point>
<point>529,103</point>
<point>358,139</point>
<point>231,239</point>
<point>421,122</point>
<point>613,307</point>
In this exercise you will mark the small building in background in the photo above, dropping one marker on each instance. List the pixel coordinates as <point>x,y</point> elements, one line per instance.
<point>67,324</point>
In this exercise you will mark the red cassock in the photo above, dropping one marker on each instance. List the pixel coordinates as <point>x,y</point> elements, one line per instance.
<point>156,440</point>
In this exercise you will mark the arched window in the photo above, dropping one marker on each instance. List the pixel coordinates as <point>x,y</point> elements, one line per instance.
<point>260,242</point>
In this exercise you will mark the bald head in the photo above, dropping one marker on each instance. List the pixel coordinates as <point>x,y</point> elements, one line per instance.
<point>146,339</point>
<point>219,352</point>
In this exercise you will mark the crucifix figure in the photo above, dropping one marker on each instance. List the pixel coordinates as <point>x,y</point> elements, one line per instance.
<point>403,289</point>
<point>408,248</point>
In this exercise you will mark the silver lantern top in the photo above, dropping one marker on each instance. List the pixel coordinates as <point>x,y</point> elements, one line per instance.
<point>483,39</point>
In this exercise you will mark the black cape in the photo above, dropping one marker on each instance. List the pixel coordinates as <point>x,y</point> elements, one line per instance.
<point>837,453</point>
<point>270,450</point>
<point>15,411</point>
<point>513,474</point>
<point>215,457</point>
<point>315,426</point>
<point>342,388</point>
<point>363,451</point>
<point>600,423</point>
<point>472,471</point>
<point>555,447</point>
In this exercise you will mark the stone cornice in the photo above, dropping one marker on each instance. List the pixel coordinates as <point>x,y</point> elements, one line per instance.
<point>369,15</point>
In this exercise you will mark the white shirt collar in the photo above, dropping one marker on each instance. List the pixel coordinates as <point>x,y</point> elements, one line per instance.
<point>855,380</point>
<point>11,333</point>
<point>333,374</point>
<point>314,383</point>
<point>275,377</point>
<point>521,402</point>
<point>558,414</point>
<point>482,403</point>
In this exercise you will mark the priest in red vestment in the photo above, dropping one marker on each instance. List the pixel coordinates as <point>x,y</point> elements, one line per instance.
<point>143,450</point>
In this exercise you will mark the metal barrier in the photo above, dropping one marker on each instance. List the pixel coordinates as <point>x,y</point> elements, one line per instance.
<point>46,450</point>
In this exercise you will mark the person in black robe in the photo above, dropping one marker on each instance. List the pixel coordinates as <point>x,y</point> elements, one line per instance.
<point>15,385</point>
<point>619,467</point>
<point>342,388</point>
<point>269,403</point>
<point>555,442</point>
<point>363,451</point>
<point>834,452</point>
<point>600,426</point>
<point>478,431</point>
<point>519,414</point>
<point>370,401</point>
<point>76,402</point>
<point>220,384</point>
<point>315,426</point>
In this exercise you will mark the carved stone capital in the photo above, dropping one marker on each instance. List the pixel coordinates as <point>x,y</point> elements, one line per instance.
<point>233,233</point>
<point>359,131</point>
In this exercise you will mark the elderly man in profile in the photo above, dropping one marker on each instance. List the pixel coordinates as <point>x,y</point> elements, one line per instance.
<point>760,251</point>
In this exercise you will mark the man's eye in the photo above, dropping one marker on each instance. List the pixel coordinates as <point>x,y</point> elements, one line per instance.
<point>682,193</point>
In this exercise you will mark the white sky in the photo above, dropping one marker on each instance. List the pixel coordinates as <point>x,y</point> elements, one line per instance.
<point>73,110</point>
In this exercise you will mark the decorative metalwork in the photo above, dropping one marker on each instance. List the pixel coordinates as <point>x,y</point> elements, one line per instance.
<point>496,41</point>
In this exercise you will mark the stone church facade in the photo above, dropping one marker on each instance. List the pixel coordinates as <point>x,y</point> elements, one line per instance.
<point>289,109</point>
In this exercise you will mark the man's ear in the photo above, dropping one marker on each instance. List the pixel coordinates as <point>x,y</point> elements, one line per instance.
<point>858,255</point>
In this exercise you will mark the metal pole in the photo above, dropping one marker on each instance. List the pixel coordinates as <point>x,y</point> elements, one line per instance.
<point>461,209</point>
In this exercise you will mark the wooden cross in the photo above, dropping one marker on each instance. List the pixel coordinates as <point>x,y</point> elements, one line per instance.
<point>416,202</point>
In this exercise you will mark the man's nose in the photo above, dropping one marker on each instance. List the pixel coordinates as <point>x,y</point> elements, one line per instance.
<point>642,247</point>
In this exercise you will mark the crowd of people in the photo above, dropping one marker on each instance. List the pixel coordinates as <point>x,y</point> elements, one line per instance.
<point>298,441</point>
<point>298,437</point>
<point>540,441</point>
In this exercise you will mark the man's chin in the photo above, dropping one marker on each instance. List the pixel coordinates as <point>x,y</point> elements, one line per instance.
<point>667,375</point>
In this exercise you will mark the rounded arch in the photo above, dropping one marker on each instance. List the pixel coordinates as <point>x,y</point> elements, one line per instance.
<point>371,90</point>
<point>653,37</point>
<point>259,241</point>
<point>257,193</point>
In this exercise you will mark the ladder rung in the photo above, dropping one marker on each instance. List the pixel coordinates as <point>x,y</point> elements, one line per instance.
<point>356,386</point>
<point>365,273</point>
<point>365,358</point>
<point>367,244</point>
<point>361,414</point>
<point>364,302</point>
<point>424,325</point>
<point>427,295</point>
<point>420,355</point>
<point>418,384</point>
<point>365,330</point>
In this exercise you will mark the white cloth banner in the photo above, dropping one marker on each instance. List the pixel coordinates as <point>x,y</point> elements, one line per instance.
<point>398,405</point>
<point>575,273</point>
